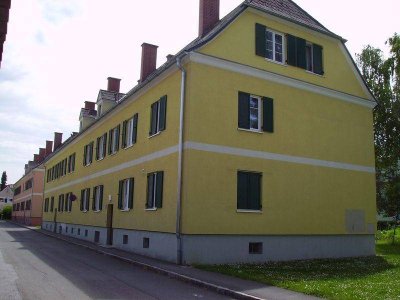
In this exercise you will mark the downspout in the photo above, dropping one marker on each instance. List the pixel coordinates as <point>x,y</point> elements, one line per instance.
<point>180,160</point>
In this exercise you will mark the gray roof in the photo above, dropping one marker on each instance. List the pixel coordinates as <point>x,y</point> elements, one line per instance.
<point>110,96</point>
<point>288,10</point>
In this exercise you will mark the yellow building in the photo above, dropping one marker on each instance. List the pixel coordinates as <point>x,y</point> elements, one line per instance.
<point>253,143</point>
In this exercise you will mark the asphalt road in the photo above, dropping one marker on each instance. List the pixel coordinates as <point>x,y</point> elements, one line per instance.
<point>35,266</point>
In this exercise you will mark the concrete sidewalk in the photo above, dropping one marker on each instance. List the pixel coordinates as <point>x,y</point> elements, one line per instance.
<point>226,285</point>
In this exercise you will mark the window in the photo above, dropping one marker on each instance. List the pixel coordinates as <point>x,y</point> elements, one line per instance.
<point>269,44</point>
<point>48,175</point>
<point>113,141</point>
<point>97,204</point>
<point>17,190</point>
<point>61,203</point>
<point>255,248</point>
<point>125,194</point>
<point>28,205</point>
<point>125,239</point>
<point>29,184</point>
<point>158,116</point>
<point>101,146</point>
<point>52,204</point>
<point>68,202</point>
<point>154,190</point>
<point>304,54</point>
<point>22,206</point>
<point>71,163</point>
<point>255,113</point>
<point>18,205</point>
<point>88,154</point>
<point>85,196</point>
<point>129,131</point>
<point>146,242</point>
<point>46,205</point>
<point>248,190</point>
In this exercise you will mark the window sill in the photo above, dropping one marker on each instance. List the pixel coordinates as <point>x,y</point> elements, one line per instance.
<point>100,159</point>
<point>130,146</point>
<point>249,211</point>
<point>276,62</point>
<point>112,154</point>
<point>125,210</point>
<point>87,165</point>
<point>151,209</point>
<point>312,73</point>
<point>97,211</point>
<point>250,130</point>
<point>157,133</point>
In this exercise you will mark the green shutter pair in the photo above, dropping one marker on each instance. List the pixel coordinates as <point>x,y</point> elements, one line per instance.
<point>99,190</point>
<point>244,112</point>
<point>154,198</point>
<point>248,190</point>
<point>130,194</point>
<point>158,113</point>
<point>134,132</point>
<point>295,51</point>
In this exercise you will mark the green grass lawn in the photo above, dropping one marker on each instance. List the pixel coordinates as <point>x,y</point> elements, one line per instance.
<point>355,278</point>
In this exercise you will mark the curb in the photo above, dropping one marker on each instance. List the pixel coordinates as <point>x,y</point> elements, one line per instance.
<point>184,278</point>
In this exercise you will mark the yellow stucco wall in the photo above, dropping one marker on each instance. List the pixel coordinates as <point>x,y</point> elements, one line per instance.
<point>81,178</point>
<point>237,43</point>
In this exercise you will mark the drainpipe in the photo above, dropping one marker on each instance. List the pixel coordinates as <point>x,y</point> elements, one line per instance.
<point>180,160</point>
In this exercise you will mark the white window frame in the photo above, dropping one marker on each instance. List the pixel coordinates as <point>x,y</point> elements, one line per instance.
<point>308,44</point>
<point>89,153</point>
<point>96,198</point>
<point>259,115</point>
<point>85,199</point>
<point>125,195</point>
<point>129,133</point>
<point>273,46</point>
<point>114,139</point>
<point>100,148</point>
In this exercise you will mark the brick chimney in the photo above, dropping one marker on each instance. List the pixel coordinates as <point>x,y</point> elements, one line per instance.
<point>57,140</point>
<point>113,84</point>
<point>36,158</point>
<point>208,16</point>
<point>90,105</point>
<point>169,57</point>
<point>42,154</point>
<point>149,60</point>
<point>49,147</point>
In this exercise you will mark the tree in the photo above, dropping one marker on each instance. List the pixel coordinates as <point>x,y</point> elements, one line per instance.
<point>383,78</point>
<point>3,181</point>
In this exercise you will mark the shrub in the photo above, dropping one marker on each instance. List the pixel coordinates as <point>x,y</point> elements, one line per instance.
<point>6,213</point>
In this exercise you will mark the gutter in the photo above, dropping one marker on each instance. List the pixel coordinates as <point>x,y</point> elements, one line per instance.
<point>180,161</point>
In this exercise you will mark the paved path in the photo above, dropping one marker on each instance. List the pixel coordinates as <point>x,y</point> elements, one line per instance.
<point>35,266</point>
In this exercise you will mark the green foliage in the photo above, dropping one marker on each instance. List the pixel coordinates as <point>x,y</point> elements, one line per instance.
<point>6,213</point>
<point>387,235</point>
<point>376,277</point>
<point>3,181</point>
<point>383,78</point>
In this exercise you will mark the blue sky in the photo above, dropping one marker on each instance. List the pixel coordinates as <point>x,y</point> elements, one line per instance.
<point>58,54</point>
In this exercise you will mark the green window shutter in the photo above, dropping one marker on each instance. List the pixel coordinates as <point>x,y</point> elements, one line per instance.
<point>101,197</point>
<point>110,141</point>
<point>131,190</point>
<point>73,162</point>
<point>135,124</point>
<point>88,199</point>
<point>124,134</point>
<point>91,152</point>
<point>291,50</point>
<point>105,145</point>
<point>81,204</point>
<point>242,182</point>
<point>66,202</point>
<point>268,114</point>
<point>301,53</point>
<point>94,199</point>
<point>117,135</point>
<point>153,118</point>
<point>163,113</point>
<point>159,188</point>
<point>261,41</point>
<point>120,191</point>
<point>97,148</point>
<point>254,191</point>
<point>244,111</point>
<point>317,60</point>
<point>150,189</point>
<point>84,156</point>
